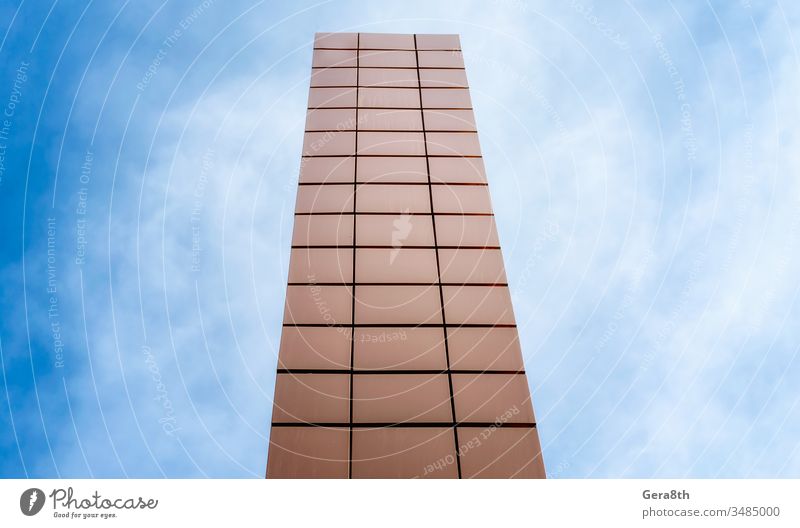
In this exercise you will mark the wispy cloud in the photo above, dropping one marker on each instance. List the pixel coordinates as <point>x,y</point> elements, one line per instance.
<point>643,167</point>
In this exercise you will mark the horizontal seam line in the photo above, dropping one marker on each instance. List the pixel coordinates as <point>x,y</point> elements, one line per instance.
<point>364,425</point>
<point>450,156</point>
<point>387,108</point>
<point>399,182</point>
<point>385,67</point>
<point>378,246</point>
<point>458,87</point>
<point>403,372</point>
<point>453,284</point>
<point>388,49</point>
<point>388,213</point>
<point>398,325</point>
<point>389,131</point>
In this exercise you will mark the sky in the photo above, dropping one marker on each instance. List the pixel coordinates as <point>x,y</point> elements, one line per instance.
<point>644,166</point>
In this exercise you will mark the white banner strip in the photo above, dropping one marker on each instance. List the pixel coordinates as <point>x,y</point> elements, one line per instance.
<point>118,503</point>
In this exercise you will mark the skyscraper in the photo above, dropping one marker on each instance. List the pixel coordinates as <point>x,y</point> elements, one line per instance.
<point>399,356</point>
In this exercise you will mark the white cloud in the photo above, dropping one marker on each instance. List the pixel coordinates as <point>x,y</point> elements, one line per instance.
<point>655,307</point>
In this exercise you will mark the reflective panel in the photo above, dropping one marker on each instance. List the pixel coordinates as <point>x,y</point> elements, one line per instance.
<point>399,356</point>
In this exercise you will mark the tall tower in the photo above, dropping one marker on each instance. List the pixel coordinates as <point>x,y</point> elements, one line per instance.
<point>399,356</point>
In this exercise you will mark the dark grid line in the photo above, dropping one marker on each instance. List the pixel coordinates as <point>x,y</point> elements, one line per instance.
<point>353,312</point>
<point>348,89</point>
<point>410,283</point>
<point>380,86</point>
<point>381,425</point>
<point>386,49</point>
<point>387,130</point>
<point>479,184</point>
<point>399,325</point>
<point>385,213</point>
<point>389,108</point>
<point>438,267</point>
<point>391,67</point>
<point>353,86</point>
<point>469,156</point>
<point>386,84</point>
<point>369,372</point>
<point>377,246</point>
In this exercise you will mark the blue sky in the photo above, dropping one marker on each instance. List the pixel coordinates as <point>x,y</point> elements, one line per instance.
<point>643,163</point>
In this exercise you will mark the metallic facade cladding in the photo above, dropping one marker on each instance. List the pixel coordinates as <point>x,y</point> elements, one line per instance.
<point>399,356</point>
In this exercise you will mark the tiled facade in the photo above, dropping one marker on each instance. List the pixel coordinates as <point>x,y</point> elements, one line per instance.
<point>399,356</point>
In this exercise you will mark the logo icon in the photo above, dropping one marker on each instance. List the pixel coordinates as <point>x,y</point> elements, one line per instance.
<point>31,501</point>
<point>402,228</point>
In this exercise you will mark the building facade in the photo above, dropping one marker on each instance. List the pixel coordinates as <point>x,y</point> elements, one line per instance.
<point>399,356</point>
